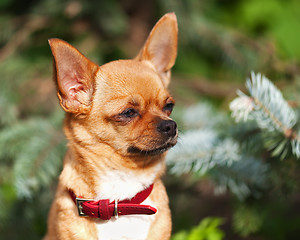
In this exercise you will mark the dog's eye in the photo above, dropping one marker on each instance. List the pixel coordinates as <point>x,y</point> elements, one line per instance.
<point>129,113</point>
<point>168,107</point>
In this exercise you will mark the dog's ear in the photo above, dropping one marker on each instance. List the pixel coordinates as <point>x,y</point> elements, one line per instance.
<point>161,46</point>
<point>75,75</point>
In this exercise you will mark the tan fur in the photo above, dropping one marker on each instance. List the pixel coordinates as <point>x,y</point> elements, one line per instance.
<point>100,137</point>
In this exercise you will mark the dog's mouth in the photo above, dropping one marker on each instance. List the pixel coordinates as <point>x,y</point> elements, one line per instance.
<point>155,151</point>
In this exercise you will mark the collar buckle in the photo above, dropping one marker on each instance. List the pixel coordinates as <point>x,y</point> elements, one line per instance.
<point>79,201</point>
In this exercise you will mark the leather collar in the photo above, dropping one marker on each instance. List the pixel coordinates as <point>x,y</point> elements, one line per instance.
<point>104,209</point>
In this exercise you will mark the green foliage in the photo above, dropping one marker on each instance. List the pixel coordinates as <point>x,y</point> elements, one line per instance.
<point>31,170</point>
<point>276,19</point>
<point>208,229</point>
<point>247,220</point>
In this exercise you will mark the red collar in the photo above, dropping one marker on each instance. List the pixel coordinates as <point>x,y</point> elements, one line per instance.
<point>104,210</point>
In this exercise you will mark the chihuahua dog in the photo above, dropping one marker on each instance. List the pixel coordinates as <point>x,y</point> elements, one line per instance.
<point>119,128</point>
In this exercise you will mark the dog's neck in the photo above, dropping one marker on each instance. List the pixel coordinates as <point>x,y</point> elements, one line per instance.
<point>110,175</point>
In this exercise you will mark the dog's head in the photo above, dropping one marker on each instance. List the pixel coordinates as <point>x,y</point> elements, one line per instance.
<point>124,104</point>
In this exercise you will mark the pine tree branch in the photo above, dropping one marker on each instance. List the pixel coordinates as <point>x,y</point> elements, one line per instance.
<point>271,111</point>
<point>288,132</point>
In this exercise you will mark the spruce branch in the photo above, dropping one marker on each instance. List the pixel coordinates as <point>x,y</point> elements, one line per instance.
<point>202,116</point>
<point>246,176</point>
<point>201,150</point>
<point>204,153</point>
<point>270,110</point>
<point>36,148</point>
<point>208,149</point>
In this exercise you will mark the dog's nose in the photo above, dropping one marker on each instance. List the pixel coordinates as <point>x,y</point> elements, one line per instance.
<point>167,127</point>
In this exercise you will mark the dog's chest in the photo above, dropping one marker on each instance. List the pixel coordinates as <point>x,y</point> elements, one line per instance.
<point>123,185</point>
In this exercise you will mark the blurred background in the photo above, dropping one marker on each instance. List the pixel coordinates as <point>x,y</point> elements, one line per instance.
<point>220,43</point>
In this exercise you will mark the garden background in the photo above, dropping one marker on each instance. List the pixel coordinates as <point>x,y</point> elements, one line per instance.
<point>229,177</point>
